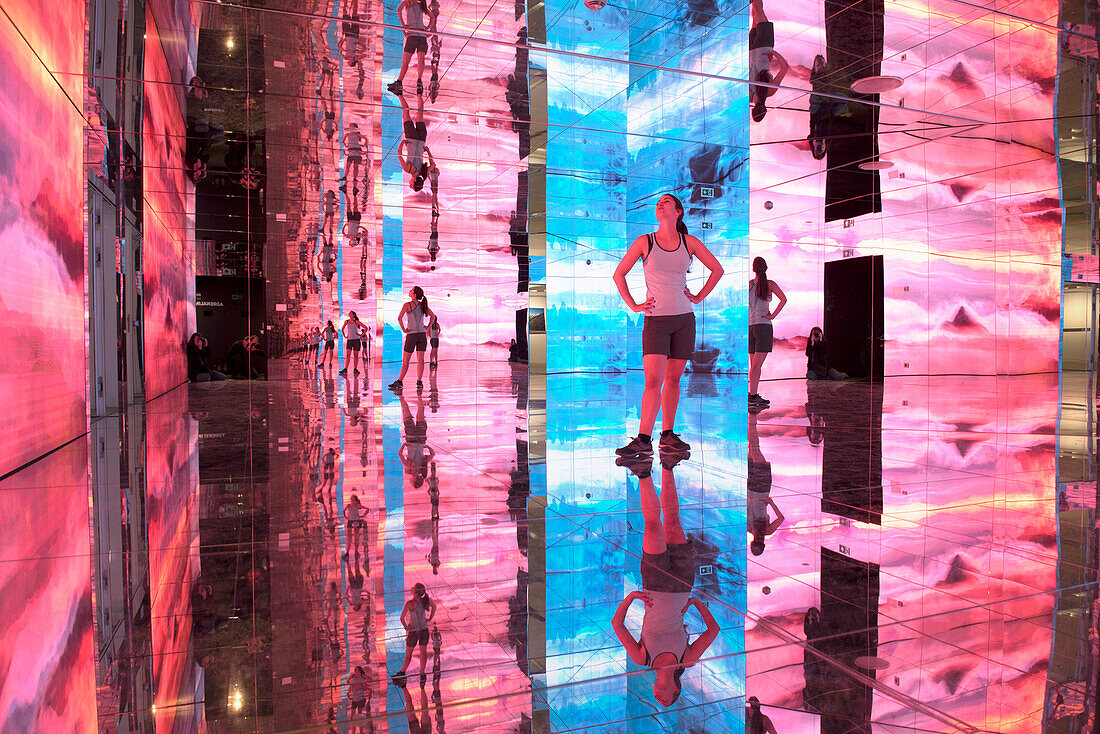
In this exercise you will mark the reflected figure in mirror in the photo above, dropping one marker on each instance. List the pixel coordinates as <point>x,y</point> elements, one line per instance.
<point>669,566</point>
<point>433,339</point>
<point>329,337</point>
<point>756,721</point>
<point>413,152</point>
<point>415,453</point>
<point>353,146</point>
<point>358,690</point>
<point>437,49</point>
<point>416,19</point>
<point>417,613</point>
<point>759,494</point>
<point>761,290</point>
<point>668,333</point>
<point>353,331</point>
<point>762,55</point>
<point>411,321</point>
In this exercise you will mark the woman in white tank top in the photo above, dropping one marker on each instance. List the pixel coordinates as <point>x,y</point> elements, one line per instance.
<point>668,335</point>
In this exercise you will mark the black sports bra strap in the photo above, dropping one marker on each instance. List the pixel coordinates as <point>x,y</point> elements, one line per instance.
<point>649,243</point>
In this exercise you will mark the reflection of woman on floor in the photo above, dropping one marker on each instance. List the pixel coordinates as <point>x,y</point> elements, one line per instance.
<point>761,55</point>
<point>669,567</point>
<point>760,489</point>
<point>668,336</point>
<point>415,453</point>
<point>433,340</point>
<point>411,320</point>
<point>413,150</point>
<point>353,146</point>
<point>358,688</point>
<point>761,290</point>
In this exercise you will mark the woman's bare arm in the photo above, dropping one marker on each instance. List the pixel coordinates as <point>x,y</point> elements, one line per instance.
<point>633,648</point>
<point>633,254</point>
<point>702,642</point>
<point>782,299</point>
<point>699,250</point>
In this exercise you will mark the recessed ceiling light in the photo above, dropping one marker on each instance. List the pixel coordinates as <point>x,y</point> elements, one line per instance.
<point>871,663</point>
<point>876,84</point>
<point>879,165</point>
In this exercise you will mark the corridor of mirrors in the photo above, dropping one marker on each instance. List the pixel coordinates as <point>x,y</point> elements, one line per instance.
<point>527,367</point>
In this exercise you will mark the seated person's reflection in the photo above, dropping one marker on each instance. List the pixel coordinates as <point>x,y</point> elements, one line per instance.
<point>756,721</point>
<point>669,567</point>
<point>760,488</point>
<point>246,359</point>
<point>414,143</point>
<point>817,358</point>
<point>198,360</point>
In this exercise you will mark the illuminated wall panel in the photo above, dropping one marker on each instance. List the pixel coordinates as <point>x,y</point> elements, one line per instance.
<point>169,210</point>
<point>970,228</point>
<point>42,296</point>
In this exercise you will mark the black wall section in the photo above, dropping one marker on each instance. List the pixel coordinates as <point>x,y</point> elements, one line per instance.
<point>854,315</point>
<point>227,310</point>
<point>853,38</point>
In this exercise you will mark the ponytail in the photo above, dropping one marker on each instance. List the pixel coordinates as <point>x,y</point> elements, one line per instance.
<point>763,290</point>
<point>418,292</point>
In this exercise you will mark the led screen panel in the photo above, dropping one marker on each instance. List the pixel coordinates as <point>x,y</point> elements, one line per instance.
<point>42,297</point>
<point>169,222</point>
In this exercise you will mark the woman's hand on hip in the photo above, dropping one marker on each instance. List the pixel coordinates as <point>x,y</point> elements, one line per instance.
<point>692,298</point>
<point>649,305</point>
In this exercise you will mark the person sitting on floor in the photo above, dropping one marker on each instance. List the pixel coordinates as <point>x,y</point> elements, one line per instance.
<point>817,358</point>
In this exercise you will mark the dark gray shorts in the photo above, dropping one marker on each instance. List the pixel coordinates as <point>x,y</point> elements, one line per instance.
<point>760,338</point>
<point>672,336</point>
<point>417,342</point>
<point>672,571</point>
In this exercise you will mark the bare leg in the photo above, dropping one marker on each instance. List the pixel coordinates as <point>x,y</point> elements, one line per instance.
<point>670,396</point>
<point>670,505</point>
<point>404,65</point>
<point>420,65</point>
<point>653,532</point>
<point>404,365</point>
<point>419,366</point>
<point>423,659</point>
<point>757,12</point>
<point>408,658</point>
<point>756,362</point>
<point>653,365</point>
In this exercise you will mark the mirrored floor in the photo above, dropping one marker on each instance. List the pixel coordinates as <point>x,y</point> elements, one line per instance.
<point>856,557</point>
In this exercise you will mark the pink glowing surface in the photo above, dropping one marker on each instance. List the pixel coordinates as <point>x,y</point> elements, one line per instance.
<point>971,236</point>
<point>41,194</point>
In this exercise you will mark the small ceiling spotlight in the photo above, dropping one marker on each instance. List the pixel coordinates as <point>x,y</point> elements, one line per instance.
<point>879,165</point>
<point>229,43</point>
<point>876,84</point>
<point>595,5</point>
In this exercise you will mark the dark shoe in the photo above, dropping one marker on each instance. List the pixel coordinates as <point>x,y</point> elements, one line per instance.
<point>419,86</point>
<point>419,386</point>
<point>343,371</point>
<point>396,88</point>
<point>673,443</point>
<point>395,385</point>
<point>669,459</point>
<point>357,372</point>
<point>423,680</point>
<point>639,465</point>
<point>399,679</point>
<point>636,447</point>
<point>758,401</point>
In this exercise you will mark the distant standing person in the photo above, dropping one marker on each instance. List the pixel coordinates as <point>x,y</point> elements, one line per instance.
<point>411,321</point>
<point>353,341</point>
<point>329,335</point>
<point>760,326</point>
<point>668,334</point>
<point>433,340</point>
<point>761,55</point>
<point>416,18</point>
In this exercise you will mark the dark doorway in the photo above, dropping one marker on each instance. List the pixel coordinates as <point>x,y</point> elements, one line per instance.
<point>854,316</point>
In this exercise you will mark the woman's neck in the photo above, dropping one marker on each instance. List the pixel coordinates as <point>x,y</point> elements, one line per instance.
<point>667,231</point>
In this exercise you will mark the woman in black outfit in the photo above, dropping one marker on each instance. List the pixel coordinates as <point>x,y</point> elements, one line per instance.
<point>198,360</point>
<point>817,358</point>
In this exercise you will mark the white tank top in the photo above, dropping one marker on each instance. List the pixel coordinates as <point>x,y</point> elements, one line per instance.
<point>663,625</point>
<point>666,278</point>
<point>758,307</point>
